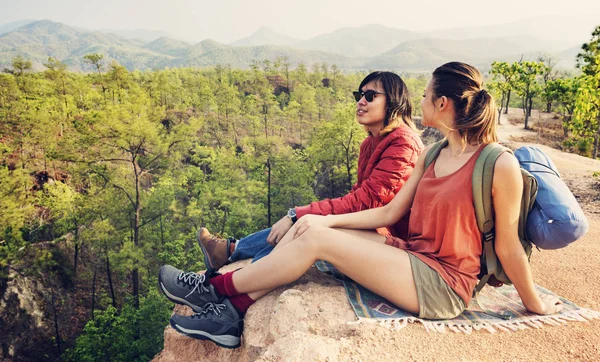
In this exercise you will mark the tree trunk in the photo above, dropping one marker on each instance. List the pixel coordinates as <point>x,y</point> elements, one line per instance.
<point>348,161</point>
<point>507,102</point>
<point>94,291</point>
<point>331,196</point>
<point>110,283</point>
<point>500,108</point>
<point>136,234</point>
<point>549,107</point>
<point>529,105</point>
<point>265,112</point>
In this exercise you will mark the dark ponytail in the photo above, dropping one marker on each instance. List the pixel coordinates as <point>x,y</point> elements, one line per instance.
<point>476,116</point>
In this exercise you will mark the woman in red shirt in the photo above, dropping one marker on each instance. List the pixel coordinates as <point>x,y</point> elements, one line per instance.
<point>387,157</point>
<point>434,271</point>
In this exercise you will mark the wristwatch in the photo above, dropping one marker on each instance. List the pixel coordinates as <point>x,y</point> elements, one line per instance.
<point>292,215</point>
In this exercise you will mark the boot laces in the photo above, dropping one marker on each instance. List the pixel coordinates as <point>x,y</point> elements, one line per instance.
<point>212,308</point>
<point>195,280</point>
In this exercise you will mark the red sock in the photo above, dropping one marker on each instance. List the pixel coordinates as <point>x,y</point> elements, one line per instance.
<point>224,284</point>
<point>242,302</point>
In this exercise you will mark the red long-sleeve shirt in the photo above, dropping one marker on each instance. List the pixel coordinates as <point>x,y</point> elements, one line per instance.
<point>384,165</point>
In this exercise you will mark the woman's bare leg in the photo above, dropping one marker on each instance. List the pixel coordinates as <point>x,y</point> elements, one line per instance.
<point>383,269</point>
<point>365,234</point>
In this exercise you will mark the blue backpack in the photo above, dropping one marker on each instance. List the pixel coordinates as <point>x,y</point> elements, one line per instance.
<point>556,220</point>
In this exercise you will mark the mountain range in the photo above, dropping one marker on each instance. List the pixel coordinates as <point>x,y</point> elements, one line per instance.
<point>360,48</point>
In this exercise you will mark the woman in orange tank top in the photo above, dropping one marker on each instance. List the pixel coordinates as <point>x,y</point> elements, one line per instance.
<point>433,272</point>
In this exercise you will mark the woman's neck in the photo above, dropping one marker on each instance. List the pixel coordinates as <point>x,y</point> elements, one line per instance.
<point>456,146</point>
<point>375,129</point>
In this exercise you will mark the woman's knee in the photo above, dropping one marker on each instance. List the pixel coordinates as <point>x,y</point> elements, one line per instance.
<point>313,237</point>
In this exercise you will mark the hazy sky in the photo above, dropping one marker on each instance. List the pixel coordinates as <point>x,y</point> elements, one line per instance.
<point>229,20</point>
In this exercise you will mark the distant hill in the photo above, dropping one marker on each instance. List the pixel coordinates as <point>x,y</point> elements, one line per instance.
<point>14,25</point>
<point>144,34</point>
<point>363,41</point>
<point>41,39</point>
<point>266,36</point>
<point>210,52</point>
<point>568,57</point>
<point>564,31</point>
<point>169,46</point>
<point>426,54</point>
<point>368,47</point>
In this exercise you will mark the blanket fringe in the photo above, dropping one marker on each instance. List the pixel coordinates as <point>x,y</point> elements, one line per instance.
<point>536,322</point>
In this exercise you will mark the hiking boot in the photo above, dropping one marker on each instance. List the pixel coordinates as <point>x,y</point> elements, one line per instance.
<point>220,323</point>
<point>190,289</point>
<point>216,250</point>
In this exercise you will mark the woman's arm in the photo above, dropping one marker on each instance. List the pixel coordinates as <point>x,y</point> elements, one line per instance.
<point>372,218</point>
<point>507,191</point>
<point>391,171</point>
<point>388,175</point>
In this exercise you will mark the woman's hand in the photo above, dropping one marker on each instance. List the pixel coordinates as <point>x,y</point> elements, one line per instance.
<point>279,229</point>
<point>549,305</point>
<point>310,220</point>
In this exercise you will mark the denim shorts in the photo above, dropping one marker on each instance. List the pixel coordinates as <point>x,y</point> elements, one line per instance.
<point>436,299</point>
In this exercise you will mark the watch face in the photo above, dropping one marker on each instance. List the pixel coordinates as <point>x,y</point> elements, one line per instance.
<point>292,213</point>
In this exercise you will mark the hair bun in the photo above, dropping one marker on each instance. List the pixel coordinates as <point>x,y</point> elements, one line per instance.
<point>481,94</point>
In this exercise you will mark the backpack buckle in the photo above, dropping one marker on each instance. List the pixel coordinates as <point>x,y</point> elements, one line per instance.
<point>489,236</point>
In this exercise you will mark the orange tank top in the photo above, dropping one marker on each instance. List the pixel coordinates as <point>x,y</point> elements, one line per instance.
<point>443,230</point>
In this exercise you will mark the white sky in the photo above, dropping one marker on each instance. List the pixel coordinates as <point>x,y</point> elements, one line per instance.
<point>229,20</point>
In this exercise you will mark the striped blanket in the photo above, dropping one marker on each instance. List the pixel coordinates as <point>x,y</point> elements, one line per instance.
<point>371,308</point>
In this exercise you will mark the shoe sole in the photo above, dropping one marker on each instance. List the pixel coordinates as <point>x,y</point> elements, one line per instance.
<point>174,298</point>
<point>225,341</point>
<point>207,262</point>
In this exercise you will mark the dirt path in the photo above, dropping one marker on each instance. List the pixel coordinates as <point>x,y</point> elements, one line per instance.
<point>568,163</point>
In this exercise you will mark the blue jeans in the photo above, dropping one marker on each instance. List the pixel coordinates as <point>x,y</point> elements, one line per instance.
<point>252,246</point>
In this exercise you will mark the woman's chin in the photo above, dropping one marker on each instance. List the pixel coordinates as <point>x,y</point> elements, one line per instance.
<point>367,122</point>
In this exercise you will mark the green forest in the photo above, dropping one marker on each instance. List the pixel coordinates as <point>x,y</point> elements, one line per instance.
<point>106,176</point>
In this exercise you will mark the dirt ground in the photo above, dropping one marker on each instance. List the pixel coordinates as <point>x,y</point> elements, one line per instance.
<point>572,272</point>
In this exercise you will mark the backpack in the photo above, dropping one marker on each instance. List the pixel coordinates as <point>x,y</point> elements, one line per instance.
<point>550,216</point>
<point>556,219</point>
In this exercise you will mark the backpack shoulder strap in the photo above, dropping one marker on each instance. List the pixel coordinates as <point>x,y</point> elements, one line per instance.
<point>434,152</point>
<point>483,175</point>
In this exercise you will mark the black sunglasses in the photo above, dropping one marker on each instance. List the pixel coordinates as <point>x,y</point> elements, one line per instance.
<point>369,95</point>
